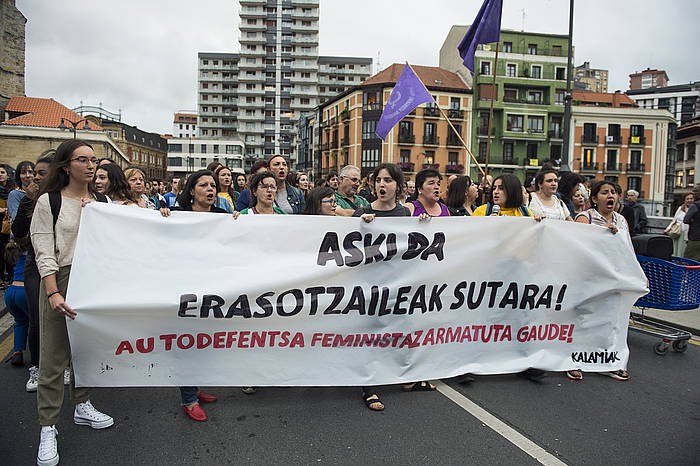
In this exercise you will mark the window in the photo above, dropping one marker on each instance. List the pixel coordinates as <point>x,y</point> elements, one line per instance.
<point>405,128</point>
<point>534,97</point>
<point>507,47</point>
<point>405,156</point>
<point>560,73</point>
<point>370,158</point>
<point>556,51</point>
<point>588,158</point>
<point>535,124</point>
<point>589,132</point>
<point>430,157</point>
<point>634,182</point>
<point>532,49</point>
<point>455,103</point>
<point>560,96</point>
<point>636,131</point>
<point>485,67</point>
<point>371,100</point>
<point>510,95</point>
<point>515,123</point>
<point>369,127</point>
<point>483,147</point>
<point>216,149</point>
<point>429,132</point>
<point>452,137</point>
<point>555,153</point>
<point>536,72</point>
<point>611,162</point>
<point>507,152</point>
<point>511,70</point>
<point>453,158</point>
<point>203,148</point>
<point>532,150</point>
<point>679,179</point>
<point>680,153</point>
<point>636,158</point>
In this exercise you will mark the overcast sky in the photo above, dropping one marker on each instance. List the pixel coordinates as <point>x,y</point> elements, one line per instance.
<point>140,56</point>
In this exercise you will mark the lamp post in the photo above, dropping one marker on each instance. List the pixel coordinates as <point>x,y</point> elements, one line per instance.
<point>74,125</point>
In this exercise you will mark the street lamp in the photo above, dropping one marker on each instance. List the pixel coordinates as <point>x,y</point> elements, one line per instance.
<point>74,125</point>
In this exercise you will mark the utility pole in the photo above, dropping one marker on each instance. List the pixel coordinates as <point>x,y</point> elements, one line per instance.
<point>564,166</point>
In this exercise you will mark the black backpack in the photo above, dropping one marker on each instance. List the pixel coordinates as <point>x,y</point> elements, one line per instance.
<point>55,201</point>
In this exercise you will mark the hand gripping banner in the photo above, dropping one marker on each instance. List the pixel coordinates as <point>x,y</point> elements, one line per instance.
<point>271,300</point>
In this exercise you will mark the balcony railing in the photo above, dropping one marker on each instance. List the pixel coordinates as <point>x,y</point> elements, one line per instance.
<point>434,166</point>
<point>613,167</point>
<point>454,168</point>
<point>431,112</point>
<point>589,139</point>
<point>371,107</point>
<point>635,168</point>
<point>555,134</point>
<point>455,114</point>
<point>613,140</point>
<point>345,115</point>
<point>589,166</point>
<point>407,138</point>
<point>406,166</point>
<point>637,140</point>
<point>454,142</point>
<point>431,140</point>
<point>525,100</point>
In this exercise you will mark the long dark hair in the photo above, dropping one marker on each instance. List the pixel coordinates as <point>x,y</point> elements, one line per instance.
<point>186,199</point>
<point>58,178</point>
<point>595,190</point>
<point>513,189</point>
<point>119,188</point>
<point>313,199</point>
<point>22,166</point>
<point>255,182</point>
<point>457,192</point>
<point>395,173</point>
<point>567,183</point>
<point>231,192</point>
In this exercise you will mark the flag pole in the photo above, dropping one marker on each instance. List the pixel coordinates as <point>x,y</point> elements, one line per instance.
<point>494,94</point>
<point>442,112</point>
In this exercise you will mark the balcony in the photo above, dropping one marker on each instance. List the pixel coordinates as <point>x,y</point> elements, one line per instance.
<point>406,166</point>
<point>555,134</point>
<point>453,142</point>
<point>370,107</point>
<point>613,140</point>
<point>431,140</point>
<point>524,100</point>
<point>613,167</point>
<point>324,146</point>
<point>407,138</point>
<point>455,114</point>
<point>345,141</point>
<point>434,166</point>
<point>433,112</point>
<point>637,141</point>
<point>635,168</point>
<point>454,168</point>
<point>589,166</point>
<point>345,115</point>
<point>589,139</point>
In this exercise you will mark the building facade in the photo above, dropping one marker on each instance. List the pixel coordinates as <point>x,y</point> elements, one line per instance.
<point>260,93</point>
<point>528,109</point>
<point>682,100</point>
<point>187,155</point>
<point>591,79</point>
<point>614,140</point>
<point>12,31</point>
<point>185,124</point>
<point>687,160</point>
<point>648,79</point>
<point>348,122</point>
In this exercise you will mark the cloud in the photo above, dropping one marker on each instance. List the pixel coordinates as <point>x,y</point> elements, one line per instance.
<point>141,56</point>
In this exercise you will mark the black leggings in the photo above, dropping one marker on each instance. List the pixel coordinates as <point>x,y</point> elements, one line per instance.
<point>31,288</point>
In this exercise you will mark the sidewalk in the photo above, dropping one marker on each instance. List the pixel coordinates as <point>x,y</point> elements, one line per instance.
<point>684,320</point>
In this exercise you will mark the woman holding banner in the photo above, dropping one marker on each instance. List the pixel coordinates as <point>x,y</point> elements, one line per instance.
<point>54,231</point>
<point>428,201</point>
<point>263,188</point>
<point>320,201</point>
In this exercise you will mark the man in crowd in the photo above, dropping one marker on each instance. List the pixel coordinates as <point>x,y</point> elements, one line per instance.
<point>171,196</point>
<point>346,196</point>
<point>692,218</point>
<point>288,198</point>
<point>410,191</point>
<point>640,215</point>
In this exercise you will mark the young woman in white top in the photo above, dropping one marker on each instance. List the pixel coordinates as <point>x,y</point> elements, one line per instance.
<point>679,241</point>
<point>544,201</point>
<point>70,176</point>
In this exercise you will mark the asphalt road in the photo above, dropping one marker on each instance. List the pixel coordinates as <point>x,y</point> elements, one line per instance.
<point>654,418</point>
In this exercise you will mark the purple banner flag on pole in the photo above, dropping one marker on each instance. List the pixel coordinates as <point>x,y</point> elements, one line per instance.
<point>485,29</point>
<point>408,94</point>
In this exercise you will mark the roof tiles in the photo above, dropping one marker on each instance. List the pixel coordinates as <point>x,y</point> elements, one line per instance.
<point>45,113</point>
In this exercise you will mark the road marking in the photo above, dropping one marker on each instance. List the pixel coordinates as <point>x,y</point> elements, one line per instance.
<point>504,430</point>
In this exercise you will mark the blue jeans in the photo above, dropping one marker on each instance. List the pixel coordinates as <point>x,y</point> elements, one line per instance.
<point>16,302</point>
<point>188,395</point>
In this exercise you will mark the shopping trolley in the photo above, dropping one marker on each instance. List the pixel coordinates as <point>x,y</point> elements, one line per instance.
<point>674,285</point>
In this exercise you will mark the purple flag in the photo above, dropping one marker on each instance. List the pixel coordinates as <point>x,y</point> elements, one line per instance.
<point>408,93</point>
<point>485,29</point>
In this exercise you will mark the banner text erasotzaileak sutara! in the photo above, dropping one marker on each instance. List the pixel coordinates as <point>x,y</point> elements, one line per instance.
<point>314,301</point>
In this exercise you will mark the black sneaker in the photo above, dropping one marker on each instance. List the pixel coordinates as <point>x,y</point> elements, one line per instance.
<point>534,374</point>
<point>17,359</point>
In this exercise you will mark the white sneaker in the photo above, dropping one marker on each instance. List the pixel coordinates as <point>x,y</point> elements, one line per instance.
<point>86,415</point>
<point>48,447</point>
<point>33,381</point>
<point>66,376</point>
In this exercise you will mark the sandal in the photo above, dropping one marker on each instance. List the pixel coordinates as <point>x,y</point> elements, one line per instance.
<point>371,400</point>
<point>575,374</point>
<point>419,387</point>
<point>619,375</point>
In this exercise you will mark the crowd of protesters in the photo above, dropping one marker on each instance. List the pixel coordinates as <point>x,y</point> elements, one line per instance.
<point>41,204</point>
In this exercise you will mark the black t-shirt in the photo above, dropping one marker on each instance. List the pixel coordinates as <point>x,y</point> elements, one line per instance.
<point>214,209</point>
<point>398,211</point>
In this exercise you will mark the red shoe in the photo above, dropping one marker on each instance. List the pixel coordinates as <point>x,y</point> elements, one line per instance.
<point>195,412</point>
<point>206,397</point>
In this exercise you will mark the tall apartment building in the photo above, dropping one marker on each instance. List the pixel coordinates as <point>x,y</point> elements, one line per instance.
<point>185,124</point>
<point>687,160</point>
<point>648,78</point>
<point>591,79</point>
<point>528,110</point>
<point>682,100</point>
<point>259,93</point>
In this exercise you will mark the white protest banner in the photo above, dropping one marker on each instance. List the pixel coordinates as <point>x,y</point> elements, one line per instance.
<point>265,300</point>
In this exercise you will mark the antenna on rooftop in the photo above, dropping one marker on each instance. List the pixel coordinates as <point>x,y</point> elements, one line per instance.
<point>523,12</point>
<point>379,62</point>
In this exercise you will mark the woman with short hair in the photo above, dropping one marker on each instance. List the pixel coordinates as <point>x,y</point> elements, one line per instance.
<point>263,187</point>
<point>137,183</point>
<point>245,198</point>
<point>461,196</point>
<point>428,200</point>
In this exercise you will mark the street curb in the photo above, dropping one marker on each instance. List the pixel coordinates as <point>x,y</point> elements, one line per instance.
<point>694,331</point>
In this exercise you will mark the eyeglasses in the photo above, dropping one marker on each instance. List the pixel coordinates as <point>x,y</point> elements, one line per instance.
<point>85,160</point>
<point>269,187</point>
<point>330,201</point>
